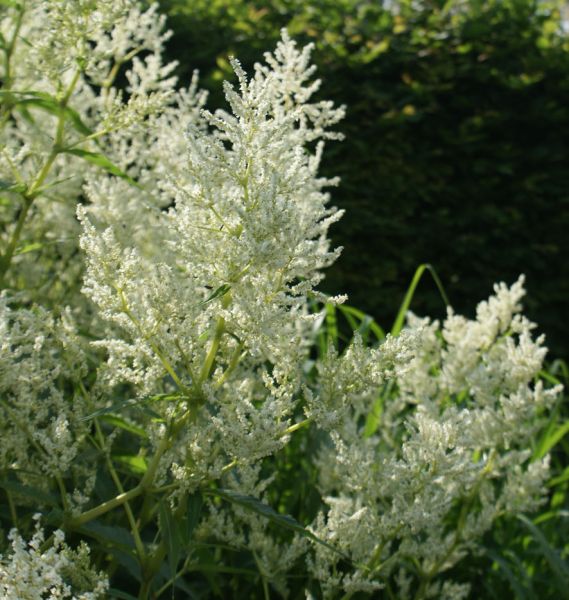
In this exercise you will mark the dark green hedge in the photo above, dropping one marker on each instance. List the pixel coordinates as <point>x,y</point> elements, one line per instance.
<point>456,149</point>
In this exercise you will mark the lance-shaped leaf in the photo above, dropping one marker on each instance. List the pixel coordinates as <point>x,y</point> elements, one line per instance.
<point>47,103</point>
<point>286,521</point>
<point>170,535</point>
<point>100,160</point>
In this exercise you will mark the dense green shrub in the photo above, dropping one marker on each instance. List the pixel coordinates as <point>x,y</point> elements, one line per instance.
<point>456,130</point>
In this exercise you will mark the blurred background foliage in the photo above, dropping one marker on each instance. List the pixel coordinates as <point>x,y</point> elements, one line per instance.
<point>457,131</point>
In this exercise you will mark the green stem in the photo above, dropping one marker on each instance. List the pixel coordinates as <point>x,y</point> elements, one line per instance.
<point>297,426</point>
<point>145,484</point>
<point>62,492</point>
<point>6,258</point>
<point>263,577</point>
<point>144,589</point>
<point>155,561</point>
<point>115,71</point>
<point>214,348</point>
<point>105,507</point>
<point>426,579</point>
<point>8,53</point>
<point>30,194</point>
<point>211,355</point>
<point>165,363</point>
<point>173,579</point>
<point>128,510</point>
<point>12,506</point>
<point>231,367</point>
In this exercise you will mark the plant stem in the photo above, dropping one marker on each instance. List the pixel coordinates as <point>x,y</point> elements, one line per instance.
<point>231,367</point>
<point>211,355</point>
<point>128,510</point>
<point>297,426</point>
<point>105,507</point>
<point>12,506</point>
<point>8,53</point>
<point>263,577</point>
<point>165,363</point>
<point>6,258</point>
<point>30,194</point>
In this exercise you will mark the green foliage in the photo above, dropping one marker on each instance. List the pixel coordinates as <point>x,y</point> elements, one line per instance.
<point>455,150</point>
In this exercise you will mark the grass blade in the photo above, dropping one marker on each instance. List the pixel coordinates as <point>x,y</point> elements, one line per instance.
<point>558,566</point>
<point>400,318</point>
<point>513,579</point>
<point>550,438</point>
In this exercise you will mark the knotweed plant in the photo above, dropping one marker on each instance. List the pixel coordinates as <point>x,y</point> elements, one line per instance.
<point>159,270</point>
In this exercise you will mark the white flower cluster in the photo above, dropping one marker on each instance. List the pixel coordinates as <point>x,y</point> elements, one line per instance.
<point>30,572</point>
<point>451,453</point>
<point>67,129</point>
<point>40,424</point>
<point>222,307</point>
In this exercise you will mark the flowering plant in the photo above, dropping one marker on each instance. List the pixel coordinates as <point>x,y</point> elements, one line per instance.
<point>159,340</point>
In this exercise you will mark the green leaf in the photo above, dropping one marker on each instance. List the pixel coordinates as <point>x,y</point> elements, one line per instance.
<point>28,491</point>
<point>374,417</point>
<point>119,542</point>
<point>114,593</point>
<point>33,246</point>
<point>331,323</point>
<point>102,161</point>
<point>111,409</point>
<point>264,510</point>
<point>170,535</point>
<point>49,104</point>
<point>194,505</point>
<point>222,569</point>
<point>119,422</point>
<point>113,535</point>
<point>562,478</point>
<point>137,464</point>
<point>550,514</point>
<point>52,106</point>
<point>12,186</point>
<point>218,293</point>
<point>558,566</point>
<point>550,439</point>
<point>367,323</point>
<point>549,377</point>
<point>53,183</point>
<point>134,403</point>
<point>352,322</point>
<point>179,583</point>
<point>54,517</point>
<point>513,580</point>
<point>127,560</point>
<point>29,248</point>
